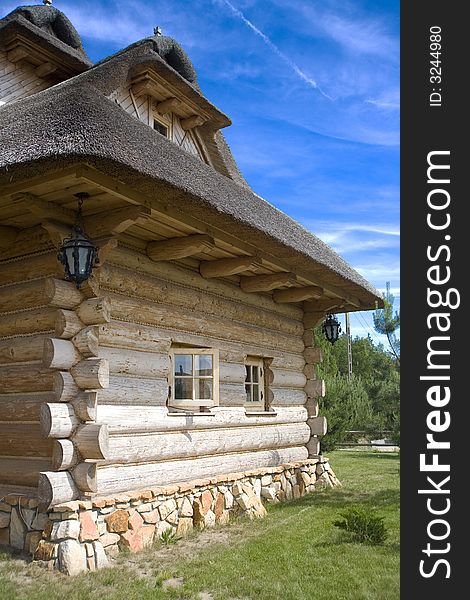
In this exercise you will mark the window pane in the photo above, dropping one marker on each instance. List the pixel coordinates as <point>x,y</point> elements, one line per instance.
<point>248,393</point>
<point>203,365</point>
<point>248,372</point>
<point>203,389</point>
<point>183,364</point>
<point>255,393</point>
<point>162,129</point>
<point>255,374</point>
<point>183,389</point>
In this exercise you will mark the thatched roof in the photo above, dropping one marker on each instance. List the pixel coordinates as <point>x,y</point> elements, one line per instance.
<point>50,29</point>
<point>74,122</point>
<point>170,51</point>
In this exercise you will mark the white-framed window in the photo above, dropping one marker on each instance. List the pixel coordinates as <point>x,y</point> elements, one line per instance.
<point>194,378</point>
<point>255,383</point>
<point>162,126</point>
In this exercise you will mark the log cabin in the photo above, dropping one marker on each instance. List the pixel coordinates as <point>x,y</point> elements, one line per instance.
<point>181,374</point>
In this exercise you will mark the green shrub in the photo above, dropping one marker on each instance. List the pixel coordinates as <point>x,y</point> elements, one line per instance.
<point>168,536</point>
<point>346,406</point>
<point>364,525</point>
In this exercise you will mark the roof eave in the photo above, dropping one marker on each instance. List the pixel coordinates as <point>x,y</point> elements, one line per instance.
<point>18,27</point>
<point>154,63</point>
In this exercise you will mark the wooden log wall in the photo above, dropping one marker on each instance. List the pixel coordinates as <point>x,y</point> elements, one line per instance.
<point>314,389</point>
<point>27,317</point>
<point>84,377</point>
<point>49,371</point>
<point>155,305</point>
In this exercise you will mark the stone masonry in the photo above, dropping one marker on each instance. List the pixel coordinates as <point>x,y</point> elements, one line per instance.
<point>87,534</point>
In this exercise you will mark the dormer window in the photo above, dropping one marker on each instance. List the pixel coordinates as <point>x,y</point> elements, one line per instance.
<point>161,128</point>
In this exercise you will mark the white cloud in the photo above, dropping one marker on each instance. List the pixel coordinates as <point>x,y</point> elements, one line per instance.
<point>364,36</point>
<point>346,238</point>
<point>291,64</point>
<point>342,23</point>
<point>387,100</point>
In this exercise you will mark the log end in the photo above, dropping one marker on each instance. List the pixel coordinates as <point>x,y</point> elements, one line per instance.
<point>55,488</point>
<point>84,475</point>
<point>64,455</point>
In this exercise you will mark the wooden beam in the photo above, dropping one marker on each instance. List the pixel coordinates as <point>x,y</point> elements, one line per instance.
<point>88,174</point>
<point>85,405</point>
<point>54,488</point>
<point>87,342</point>
<point>64,455</point>
<point>313,319</point>
<point>180,247</point>
<point>109,223</point>
<point>67,323</point>
<point>324,306</point>
<point>312,356</point>
<point>17,54</point>
<point>91,374</point>
<point>315,312</point>
<point>57,231</point>
<point>47,68</point>
<point>228,266</point>
<point>57,218</point>
<point>57,419</point>
<point>354,302</point>
<point>169,105</point>
<point>45,209</point>
<point>298,294</point>
<point>94,311</point>
<point>105,246</point>
<point>315,388</point>
<point>84,475</point>
<point>191,122</point>
<point>142,87</point>
<point>92,440</point>
<point>60,354</point>
<point>265,283</point>
<point>7,235</point>
<point>64,387</point>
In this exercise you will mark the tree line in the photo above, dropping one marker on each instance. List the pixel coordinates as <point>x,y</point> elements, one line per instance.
<point>369,400</point>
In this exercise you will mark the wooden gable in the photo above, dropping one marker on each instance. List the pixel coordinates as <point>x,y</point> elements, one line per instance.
<point>154,109</point>
<point>20,78</point>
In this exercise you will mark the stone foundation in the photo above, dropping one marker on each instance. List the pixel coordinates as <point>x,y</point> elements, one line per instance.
<point>85,534</point>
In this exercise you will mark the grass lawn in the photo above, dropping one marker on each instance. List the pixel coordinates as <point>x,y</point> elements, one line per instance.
<point>295,553</point>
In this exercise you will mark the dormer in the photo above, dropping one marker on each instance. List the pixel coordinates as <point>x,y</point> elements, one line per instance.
<point>39,47</point>
<point>162,91</point>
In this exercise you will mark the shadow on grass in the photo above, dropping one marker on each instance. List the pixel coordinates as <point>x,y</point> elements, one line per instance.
<point>345,539</point>
<point>340,498</point>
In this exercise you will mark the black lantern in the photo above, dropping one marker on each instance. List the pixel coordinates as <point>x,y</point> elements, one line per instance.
<point>331,328</point>
<point>78,254</point>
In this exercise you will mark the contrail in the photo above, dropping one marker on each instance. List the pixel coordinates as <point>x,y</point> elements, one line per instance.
<point>308,80</point>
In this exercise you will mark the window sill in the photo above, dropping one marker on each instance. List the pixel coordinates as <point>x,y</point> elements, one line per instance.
<point>191,405</point>
<point>188,413</point>
<point>260,413</point>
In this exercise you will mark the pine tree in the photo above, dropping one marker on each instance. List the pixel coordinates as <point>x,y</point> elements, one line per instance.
<point>386,323</point>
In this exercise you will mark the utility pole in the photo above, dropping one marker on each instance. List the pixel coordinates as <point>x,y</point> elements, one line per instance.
<point>348,335</point>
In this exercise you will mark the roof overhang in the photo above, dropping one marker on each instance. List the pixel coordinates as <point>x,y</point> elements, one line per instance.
<point>261,262</point>
<point>152,77</point>
<point>67,128</point>
<point>23,41</point>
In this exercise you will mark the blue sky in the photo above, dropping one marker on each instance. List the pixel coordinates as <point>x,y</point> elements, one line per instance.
<point>312,88</point>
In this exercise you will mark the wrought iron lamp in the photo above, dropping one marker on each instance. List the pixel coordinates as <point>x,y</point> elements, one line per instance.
<point>331,328</point>
<point>78,254</point>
